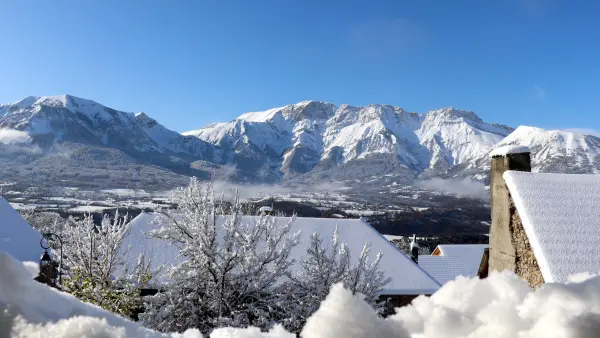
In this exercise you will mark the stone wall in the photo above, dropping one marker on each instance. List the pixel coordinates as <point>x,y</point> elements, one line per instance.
<point>526,265</point>
<point>509,247</point>
<point>501,250</point>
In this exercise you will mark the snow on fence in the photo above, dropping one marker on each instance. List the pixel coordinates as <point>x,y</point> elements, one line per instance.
<point>500,306</point>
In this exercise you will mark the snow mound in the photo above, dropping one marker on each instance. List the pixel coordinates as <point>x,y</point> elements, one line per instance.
<point>511,149</point>
<point>31,309</point>
<point>501,306</point>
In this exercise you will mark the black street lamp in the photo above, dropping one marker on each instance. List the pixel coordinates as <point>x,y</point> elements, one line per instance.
<point>45,261</point>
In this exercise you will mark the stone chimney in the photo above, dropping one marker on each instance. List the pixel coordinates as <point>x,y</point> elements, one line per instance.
<point>501,249</point>
<point>414,249</point>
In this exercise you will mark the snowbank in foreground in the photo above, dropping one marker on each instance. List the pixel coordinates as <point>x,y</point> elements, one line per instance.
<point>499,306</point>
<point>31,309</point>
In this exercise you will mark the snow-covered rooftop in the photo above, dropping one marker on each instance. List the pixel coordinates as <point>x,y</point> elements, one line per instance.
<point>561,217</point>
<point>17,237</point>
<point>461,250</point>
<point>406,276</point>
<point>454,260</point>
<point>510,149</point>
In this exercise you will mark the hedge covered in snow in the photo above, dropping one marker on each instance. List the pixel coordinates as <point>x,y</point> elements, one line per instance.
<point>499,306</point>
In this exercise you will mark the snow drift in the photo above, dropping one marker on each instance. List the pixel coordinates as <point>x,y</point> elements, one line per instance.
<point>31,309</point>
<point>500,306</point>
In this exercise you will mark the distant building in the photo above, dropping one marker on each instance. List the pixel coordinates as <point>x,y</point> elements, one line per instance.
<point>408,280</point>
<point>449,261</point>
<point>545,227</point>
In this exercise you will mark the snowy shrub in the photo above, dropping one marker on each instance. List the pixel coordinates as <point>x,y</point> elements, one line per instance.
<point>95,256</point>
<point>231,274</point>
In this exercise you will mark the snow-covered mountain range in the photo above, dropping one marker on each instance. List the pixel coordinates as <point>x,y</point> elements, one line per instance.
<point>309,140</point>
<point>316,136</point>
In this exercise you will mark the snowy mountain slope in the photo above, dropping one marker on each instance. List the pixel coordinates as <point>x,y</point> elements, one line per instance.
<point>71,139</point>
<point>311,135</point>
<point>65,117</point>
<point>558,150</point>
<point>555,151</point>
<point>454,137</point>
<point>90,138</point>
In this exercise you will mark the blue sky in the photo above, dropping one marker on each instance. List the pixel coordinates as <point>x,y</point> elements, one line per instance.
<point>190,63</point>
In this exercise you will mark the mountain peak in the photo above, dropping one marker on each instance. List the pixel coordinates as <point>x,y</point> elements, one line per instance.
<point>54,101</point>
<point>454,113</point>
<point>145,120</point>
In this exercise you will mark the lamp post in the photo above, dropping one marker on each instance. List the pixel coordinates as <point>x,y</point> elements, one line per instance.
<point>46,260</point>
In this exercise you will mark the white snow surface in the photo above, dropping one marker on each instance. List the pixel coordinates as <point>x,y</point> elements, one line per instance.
<point>138,242</point>
<point>406,276</point>
<point>510,149</point>
<point>500,306</point>
<point>561,218</point>
<point>32,309</point>
<point>18,237</point>
<point>455,260</point>
<point>392,237</point>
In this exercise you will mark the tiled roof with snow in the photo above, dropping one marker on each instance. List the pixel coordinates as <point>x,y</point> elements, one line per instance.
<point>17,237</point>
<point>462,250</point>
<point>406,276</point>
<point>455,260</point>
<point>510,149</point>
<point>561,217</point>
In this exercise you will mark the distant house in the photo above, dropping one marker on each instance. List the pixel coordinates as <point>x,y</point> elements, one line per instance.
<point>449,261</point>
<point>408,280</point>
<point>17,237</point>
<point>545,227</point>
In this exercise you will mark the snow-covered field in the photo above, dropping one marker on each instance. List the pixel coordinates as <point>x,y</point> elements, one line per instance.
<point>499,306</point>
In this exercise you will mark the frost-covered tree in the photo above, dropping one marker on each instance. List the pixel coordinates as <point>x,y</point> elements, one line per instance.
<point>325,266</point>
<point>233,267</point>
<point>365,277</point>
<point>44,221</point>
<point>96,260</point>
<point>320,269</point>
